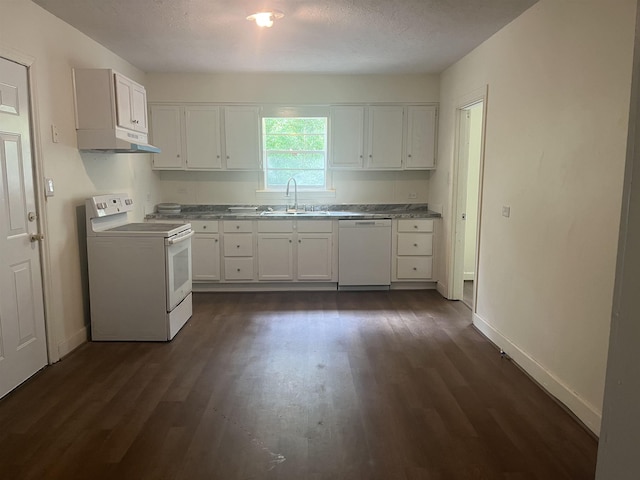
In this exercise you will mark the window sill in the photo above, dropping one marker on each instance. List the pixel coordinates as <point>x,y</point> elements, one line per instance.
<point>302,195</point>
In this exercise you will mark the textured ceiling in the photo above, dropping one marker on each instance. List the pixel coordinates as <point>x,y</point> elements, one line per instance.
<point>332,36</point>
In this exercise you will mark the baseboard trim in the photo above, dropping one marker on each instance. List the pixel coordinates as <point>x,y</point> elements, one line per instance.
<point>73,342</point>
<point>584,411</point>
<point>442,290</point>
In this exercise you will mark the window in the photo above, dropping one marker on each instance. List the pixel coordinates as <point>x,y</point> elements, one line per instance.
<point>295,147</point>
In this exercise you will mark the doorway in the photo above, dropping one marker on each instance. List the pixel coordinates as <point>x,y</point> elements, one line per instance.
<point>470,148</point>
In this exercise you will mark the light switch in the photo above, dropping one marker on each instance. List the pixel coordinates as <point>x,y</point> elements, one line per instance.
<point>54,134</point>
<point>48,187</point>
<point>506,211</point>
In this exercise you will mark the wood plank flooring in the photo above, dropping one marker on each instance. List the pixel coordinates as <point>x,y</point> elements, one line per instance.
<point>323,385</point>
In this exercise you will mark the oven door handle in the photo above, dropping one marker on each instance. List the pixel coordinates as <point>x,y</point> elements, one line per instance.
<point>181,238</point>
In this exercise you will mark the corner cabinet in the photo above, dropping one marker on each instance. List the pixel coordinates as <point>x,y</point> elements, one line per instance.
<point>191,137</point>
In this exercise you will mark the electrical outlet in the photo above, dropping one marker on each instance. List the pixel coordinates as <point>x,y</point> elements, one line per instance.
<point>506,211</point>
<point>413,195</point>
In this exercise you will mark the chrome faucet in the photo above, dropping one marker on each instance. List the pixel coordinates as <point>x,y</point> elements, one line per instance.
<point>295,194</point>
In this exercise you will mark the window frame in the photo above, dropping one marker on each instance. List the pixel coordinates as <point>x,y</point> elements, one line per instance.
<point>295,112</point>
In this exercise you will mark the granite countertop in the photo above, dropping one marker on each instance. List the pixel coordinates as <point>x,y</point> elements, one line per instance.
<point>344,211</point>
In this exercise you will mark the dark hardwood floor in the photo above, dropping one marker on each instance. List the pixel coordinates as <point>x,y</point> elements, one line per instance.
<point>323,385</point>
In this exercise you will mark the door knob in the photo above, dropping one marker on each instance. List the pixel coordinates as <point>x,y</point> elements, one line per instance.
<point>34,237</point>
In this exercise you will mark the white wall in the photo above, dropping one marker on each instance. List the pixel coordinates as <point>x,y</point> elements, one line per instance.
<point>558,99</point>
<point>240,187</point>
<point>53,47</point>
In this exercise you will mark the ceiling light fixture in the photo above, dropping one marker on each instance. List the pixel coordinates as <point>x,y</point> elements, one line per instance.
<point>265,19</point>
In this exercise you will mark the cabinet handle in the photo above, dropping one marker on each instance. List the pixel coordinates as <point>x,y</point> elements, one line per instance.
<point>216,240</point>
<point>415,268</point>
<point>415,226</point>
<point>238,227</point>
<point>409,155</point>
<point>415,244</point>
<point>238,269</point>
<point>178,156</point>
<point>237,246</point>
<point>299,241</point>
<point>227,157</point>
<point>290,241</point>
<point>204,227</point>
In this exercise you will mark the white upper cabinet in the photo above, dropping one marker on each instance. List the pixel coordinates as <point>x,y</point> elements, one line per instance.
<point>202,133</point>
<point>385,137</point>
<point>189,137</point>
<point>421,137</point>
<point>347,137</point>
<point>166,125</point>
<point>242,138</point>
<point>131,103</point>
<point>111,110</point>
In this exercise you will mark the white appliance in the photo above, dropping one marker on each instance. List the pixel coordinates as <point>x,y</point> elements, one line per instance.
<point>364,254</point>
<point>139,273</point>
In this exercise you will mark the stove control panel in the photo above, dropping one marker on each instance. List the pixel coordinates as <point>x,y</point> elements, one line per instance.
<point>105,205</point>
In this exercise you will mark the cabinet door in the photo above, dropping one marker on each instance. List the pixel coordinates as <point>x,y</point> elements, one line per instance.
<point>314,256</point>
<point>347,137</point>
<point>421,137</point>
<point>167,135</point>
<point>124,108</point>
<point>202,142</point>
<point>139,108</point>
<point>275,256</point>
<point>385,137</point>
<point>242,138</point>
<point>131,104</point>
<point>205,251</point>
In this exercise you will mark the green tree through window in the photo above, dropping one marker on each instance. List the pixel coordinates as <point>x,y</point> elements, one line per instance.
<point>295,147</point>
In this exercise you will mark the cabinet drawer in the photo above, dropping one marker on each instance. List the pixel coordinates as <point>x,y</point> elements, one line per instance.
<point>244,226</point>
<point>415,225</point>
<point>275,226</point>
<point>204,226</point>
<point>413,268</point>
<point>415,244</point>
<point>238,268</point>
<point>315,226</point>
<point>240,245</point>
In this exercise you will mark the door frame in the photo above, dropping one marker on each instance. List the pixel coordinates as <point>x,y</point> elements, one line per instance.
<point>458,206</point>
<point>38,182</point>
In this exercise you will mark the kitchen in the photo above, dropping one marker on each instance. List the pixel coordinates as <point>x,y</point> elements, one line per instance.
<point>583,263</point>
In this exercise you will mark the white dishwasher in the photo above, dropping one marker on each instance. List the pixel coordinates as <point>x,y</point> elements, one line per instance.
<point>364,254</point>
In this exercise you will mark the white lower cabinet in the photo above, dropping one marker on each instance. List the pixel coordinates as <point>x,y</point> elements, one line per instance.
<point>238,250</point>
<point>205,251</point>
<point>275,256</point>
<point>413,250</point>
<point>295,250</point>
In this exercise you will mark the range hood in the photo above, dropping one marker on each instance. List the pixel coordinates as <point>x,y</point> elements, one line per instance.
<point>112,141</point>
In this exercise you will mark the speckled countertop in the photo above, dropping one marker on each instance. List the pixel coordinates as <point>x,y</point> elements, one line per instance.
<point>344,211</point>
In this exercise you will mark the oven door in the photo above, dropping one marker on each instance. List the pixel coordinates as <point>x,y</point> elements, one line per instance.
<point>178,262</point>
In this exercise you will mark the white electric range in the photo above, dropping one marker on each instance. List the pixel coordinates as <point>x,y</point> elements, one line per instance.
<point>139,273</point>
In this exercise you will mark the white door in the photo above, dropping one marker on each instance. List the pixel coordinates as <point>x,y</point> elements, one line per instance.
<point>23,348</point>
